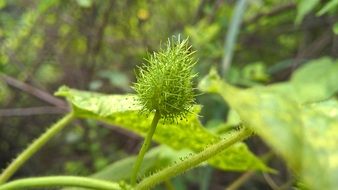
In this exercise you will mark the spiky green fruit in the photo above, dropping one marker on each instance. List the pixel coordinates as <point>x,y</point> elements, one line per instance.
<point>164,83</point>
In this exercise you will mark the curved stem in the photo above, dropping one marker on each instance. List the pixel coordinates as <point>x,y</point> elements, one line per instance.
<point>144,147</point>
<point>34,147</point>
<point>54,181</point>
<point>194,160</point>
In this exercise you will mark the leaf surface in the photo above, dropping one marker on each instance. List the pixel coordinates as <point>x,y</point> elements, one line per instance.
<point>305,135</point>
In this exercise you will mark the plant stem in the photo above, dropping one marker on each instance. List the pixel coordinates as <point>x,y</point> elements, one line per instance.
<point>144,147</point>
<point>34,147</point>
<point>232,34</point>
<point>240,181</point>
<point>194,160</point>
<point>53,181</point>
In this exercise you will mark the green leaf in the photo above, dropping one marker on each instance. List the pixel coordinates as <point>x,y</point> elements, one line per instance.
<point>123,111</point>
<point>306,138</point>
<point>304,7</point>
<point>2,4</point>
<point>332,4</point>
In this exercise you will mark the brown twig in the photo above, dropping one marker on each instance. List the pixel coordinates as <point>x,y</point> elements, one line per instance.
<point>34,91</point>
<point>313,49</point>
<point>30,111</point>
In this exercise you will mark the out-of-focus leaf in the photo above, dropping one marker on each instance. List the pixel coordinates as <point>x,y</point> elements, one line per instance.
<point>322,70</point>
<point>307,140</point>
<point>253,74</point>
<point>95,84</point>
<point>304,7</point>
<point>116,78</point>
<point>123,111</point>
<point>85,3</point>
<point>321,133</point>
<point>202,36</point>
<point>203,33</point>
<point>315,81</point>
<point>332,4</point>
<point>328,108</point>
<point>256,72</point>
<point>157,158</point>
<point>2,4</point>
<point>48,73</point>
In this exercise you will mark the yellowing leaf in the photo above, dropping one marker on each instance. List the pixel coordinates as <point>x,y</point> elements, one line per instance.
<point>305,137</point>
<point>123,111</point>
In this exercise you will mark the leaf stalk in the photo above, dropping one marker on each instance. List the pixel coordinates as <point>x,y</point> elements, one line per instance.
<point>145,147</point>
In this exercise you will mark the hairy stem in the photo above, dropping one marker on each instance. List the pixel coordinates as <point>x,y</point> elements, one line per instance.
<point>34,147</point>
<point>144,147</point>
<point>193,161</point>
<point>54,181</point>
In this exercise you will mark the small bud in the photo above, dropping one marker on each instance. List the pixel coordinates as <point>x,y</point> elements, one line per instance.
<point>164,84</point>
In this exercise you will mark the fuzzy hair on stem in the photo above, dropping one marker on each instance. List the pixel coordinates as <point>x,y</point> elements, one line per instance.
<point>164,83</point>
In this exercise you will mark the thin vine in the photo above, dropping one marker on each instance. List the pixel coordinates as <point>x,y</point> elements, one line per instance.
<point>34,147</point>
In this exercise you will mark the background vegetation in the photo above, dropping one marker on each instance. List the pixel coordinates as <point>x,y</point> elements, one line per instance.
<point>96,45</point>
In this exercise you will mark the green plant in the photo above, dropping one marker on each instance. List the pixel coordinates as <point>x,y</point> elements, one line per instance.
<point>165,86</point>
<point>291,117</point>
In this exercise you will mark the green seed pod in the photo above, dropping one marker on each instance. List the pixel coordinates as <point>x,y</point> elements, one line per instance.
<point>164,84</point>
